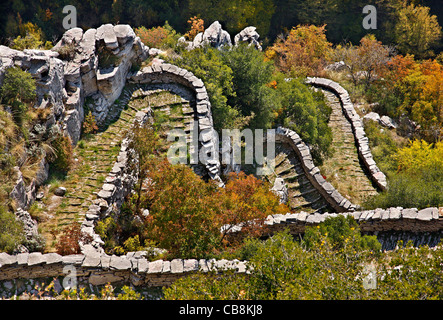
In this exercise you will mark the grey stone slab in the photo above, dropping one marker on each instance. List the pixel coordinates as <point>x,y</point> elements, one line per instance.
<point>105,194</point>
<point>203,266</point>
<point>190,265</point>
<point>105,261</point>
<point>197,83</point>
<point>269,221</point>
<point>222,264</point>
<point>395,213</point>
<point>377,214</point>
<point>370,214</point>
<point>36,258</point>
<point>6,259</point>
<point>75,259</point>
<point>385,214</point>
<point>155,266</point>
<point>356,215</point>
<point>120,263</point>
<point>92,260</point>
<point>363,215</point>
<point>410,213</point>
<point>427,214</point>
<point>143,265</point>
<point>241,266</point>
<point>53,258</point>
<point>302,216</point>
<point>166,267</point>
<point>22,258</point>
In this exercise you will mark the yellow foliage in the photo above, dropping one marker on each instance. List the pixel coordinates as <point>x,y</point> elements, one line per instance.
<point>420,154</point>
<point>304,52</point>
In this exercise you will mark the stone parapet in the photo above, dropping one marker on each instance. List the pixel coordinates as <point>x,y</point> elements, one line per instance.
<point>332,196</point>
<point>361,140</point>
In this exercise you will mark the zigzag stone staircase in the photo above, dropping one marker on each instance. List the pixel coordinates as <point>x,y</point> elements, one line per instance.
<point>97,154</point>
<point>344,169</point>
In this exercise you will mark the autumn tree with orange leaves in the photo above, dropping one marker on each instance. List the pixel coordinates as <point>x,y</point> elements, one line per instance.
<point>303,52</point>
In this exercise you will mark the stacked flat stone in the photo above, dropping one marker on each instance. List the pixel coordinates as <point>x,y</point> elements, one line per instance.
<point>390,219</point>
<point>361,140</point>
<point>99,269</point>
<point>332,196</point>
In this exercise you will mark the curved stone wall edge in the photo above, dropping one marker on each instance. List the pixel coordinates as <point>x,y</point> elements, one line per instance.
<point>168,73</point>
<point>378,220</point>
<point>331,195</point>
<point>360,138</point>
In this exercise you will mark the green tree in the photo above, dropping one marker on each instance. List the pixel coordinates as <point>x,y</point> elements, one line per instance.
<point>11,231</point>
<point>417,31</point>
<point>251,78</point>
<point>208,65</point>
<point>18,91</point>
<point>17,85</point>
<point>305,112</point>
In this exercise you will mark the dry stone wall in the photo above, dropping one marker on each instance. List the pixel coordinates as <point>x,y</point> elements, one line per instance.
<point>167,73</point>
<point>97,269</point>
<point>332,196</point>
<point>390,219</point>
<point>361,140</point>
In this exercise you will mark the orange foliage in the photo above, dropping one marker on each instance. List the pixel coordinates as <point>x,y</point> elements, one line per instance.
<point>187,214</point>
<point>153,37</point>
<point>197,26</point>
<point>303,52</point>
<point>68,242</point>
<point>272,84</point>
<point>421,87</point>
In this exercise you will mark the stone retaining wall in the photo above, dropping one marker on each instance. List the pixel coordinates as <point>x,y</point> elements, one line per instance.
<point>99,269</point>
<point>378,220</point>
<point>168,73</point>
<point>332,196</point>
<point>361,140</point>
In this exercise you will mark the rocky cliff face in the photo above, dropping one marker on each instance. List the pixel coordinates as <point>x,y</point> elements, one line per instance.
<point>89,66</point>
<point>96,64</point>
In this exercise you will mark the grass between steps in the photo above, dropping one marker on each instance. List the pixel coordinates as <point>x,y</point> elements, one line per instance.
<point>94,155</point>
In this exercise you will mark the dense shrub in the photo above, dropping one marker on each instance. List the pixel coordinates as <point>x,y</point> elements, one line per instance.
<point>186,213</point>
<point>157,37</point>
<point>418,181</point>
<point>11,231</point>
<point>303,52</point>
<point>326,266</point>
<point>383,146</point>
<point>305,112</point>
<point>412,88</point>
<point>63,153</point>
<point>333,266</point>
<point>69,240</point>
<point>90,125</point>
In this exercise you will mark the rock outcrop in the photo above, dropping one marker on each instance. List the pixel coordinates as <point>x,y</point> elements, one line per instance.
<point>96,67</point>
<point>250,35</point>
<point>218,38</point>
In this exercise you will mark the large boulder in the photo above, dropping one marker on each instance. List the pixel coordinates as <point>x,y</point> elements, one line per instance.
<point>250,35</point>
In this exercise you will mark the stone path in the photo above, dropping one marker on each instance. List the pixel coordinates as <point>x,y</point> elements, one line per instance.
<point>97,154</point>
<point>343,169</point>
<point>302,195</point>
